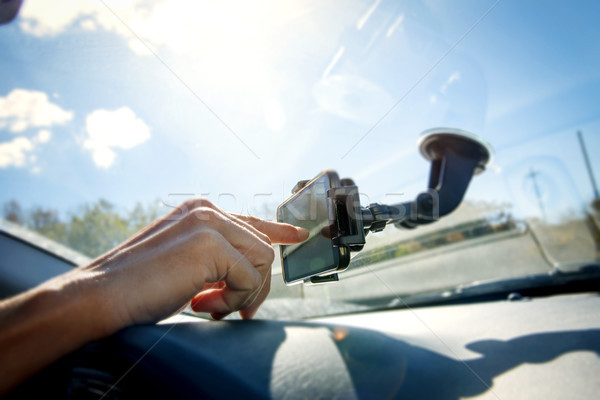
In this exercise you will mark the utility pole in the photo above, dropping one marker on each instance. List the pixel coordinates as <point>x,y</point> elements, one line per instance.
<point>533,175</point>
<point>588,165</point>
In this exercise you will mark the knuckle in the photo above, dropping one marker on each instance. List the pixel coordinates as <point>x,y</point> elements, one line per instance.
<point>255,226</point>
<point>203,216</point>
<point>189,206</point>
<point>199,202</point>
<point>253,220</point>
<point>202,202</point>
<point>183,210</point>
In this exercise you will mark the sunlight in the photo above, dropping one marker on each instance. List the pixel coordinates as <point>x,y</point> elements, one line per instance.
<point>230,43</point>
<point>235,42</point>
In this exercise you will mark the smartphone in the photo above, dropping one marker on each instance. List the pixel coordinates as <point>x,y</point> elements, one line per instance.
<point>310,208</point>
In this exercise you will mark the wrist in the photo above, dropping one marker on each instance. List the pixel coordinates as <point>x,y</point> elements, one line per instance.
<point>76,300</point>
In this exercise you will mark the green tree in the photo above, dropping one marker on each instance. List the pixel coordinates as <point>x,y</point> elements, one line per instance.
<point>47,222</point>
<point>96,228</point>
<point>92,229</point>
<point>13,212</point>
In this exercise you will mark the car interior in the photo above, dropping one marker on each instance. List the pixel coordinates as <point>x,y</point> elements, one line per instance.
<point>465,266</point>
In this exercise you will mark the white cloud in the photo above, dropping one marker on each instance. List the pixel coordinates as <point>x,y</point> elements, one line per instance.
<point>103,157</point>
<point>109,130</point>
<point>43,136</point>
<point>88,24</point>
<point>157,23</point>
<point>15,152</point>
<point>22,109</point>
<point>43,18</point>
<point>20,151</point>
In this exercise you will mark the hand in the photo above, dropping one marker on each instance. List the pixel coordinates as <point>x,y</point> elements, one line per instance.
<point>221,261</point>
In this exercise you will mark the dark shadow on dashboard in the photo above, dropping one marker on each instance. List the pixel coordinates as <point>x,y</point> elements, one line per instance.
<point>501,356</point>
<point>224,359</point>
<point>381,366</point>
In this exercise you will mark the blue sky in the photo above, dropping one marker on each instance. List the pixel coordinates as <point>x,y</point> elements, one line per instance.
<point>143,100</point>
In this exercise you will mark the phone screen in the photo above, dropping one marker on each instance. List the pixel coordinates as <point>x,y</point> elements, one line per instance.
<point>310,209</point>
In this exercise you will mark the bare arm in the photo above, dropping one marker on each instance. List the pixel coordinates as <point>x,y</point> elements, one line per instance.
<point>221,261</point>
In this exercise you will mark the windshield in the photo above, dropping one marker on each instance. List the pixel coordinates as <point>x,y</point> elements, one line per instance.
<point>114,112</point>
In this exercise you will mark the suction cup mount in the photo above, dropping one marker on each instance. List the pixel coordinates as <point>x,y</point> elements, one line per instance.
<point>456,156</point>
<point>434,143</point>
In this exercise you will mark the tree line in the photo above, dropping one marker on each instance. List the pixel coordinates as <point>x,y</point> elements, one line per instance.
<point>92,229</point>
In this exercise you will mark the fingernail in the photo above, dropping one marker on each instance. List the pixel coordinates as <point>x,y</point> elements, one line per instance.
<point>218,316</point>
<point>302,233</point>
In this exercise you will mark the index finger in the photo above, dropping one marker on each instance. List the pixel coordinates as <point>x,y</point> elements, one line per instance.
<point>276,231</point>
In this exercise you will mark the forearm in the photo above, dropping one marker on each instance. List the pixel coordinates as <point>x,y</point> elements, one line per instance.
<point>41,325</point>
